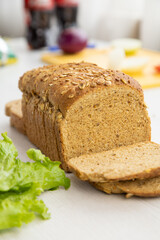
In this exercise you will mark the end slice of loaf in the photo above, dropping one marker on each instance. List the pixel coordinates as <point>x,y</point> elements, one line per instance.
<point>13,109</point>
<point>137,161</point>
<point>142,188</point>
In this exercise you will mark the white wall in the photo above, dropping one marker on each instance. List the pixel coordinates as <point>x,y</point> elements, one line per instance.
<point>150,27</point>
<point>109,19</point>
<point>12,18</point>
<point>102,19</point>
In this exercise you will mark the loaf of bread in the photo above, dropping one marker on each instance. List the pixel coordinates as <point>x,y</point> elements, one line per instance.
<point>149,187</point>
<point>80,108</point>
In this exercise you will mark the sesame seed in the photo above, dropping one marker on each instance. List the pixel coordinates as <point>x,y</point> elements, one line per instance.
<point>81,78</point>
<point>64,75</point>
<point>93,84</point>
<point>59,117</point>
<point>93,71</point>
<point>109,78</point>
<point>71,96</point>
<point>87,84</point>
<point>41,106</point>
<point>44,98</point>
<point>105,75</point>
<point>64,91</point>
<point>81,86</point>
<point>74,83</point>
<point>45,79</point>
<point>124,81</point>
<point>108,83</point>
<point>100,81</point>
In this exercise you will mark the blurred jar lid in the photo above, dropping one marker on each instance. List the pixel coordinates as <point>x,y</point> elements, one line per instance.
<point>130,45</point>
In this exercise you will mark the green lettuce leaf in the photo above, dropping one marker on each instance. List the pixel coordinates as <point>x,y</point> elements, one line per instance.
<point>17,175</point>
<point>21,183</point>
<point>52,175</point>
<point>18,208</point>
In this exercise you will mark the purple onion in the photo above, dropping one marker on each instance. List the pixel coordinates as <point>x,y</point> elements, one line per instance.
<point>72,40</point>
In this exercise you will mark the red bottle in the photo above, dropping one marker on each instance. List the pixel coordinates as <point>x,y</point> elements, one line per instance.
<point>66,13</point>
<point>38,19</point>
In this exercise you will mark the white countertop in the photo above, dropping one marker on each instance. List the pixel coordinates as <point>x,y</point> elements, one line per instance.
<point>80,213</point>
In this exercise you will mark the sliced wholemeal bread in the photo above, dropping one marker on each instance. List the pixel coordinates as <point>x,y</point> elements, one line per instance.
<point>13,109</point>
<point>144,188</point>
<point>138,187</point>
<point>137,161</point>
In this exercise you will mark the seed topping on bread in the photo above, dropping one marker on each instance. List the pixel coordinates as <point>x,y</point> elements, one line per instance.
<point>48,82</point>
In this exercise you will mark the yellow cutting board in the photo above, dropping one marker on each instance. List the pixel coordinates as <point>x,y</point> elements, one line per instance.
<point>148,78</point>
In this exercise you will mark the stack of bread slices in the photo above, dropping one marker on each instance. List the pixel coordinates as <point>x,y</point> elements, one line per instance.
<point>94,121</point>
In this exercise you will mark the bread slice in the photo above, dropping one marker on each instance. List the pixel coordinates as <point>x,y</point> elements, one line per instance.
<point>137,161</point>
<point>142,188</point>
<point>13,109</point>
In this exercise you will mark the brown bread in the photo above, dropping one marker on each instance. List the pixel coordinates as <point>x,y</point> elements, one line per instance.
<point>137,161</point>
<point>142,188</point>
<point>13,109</point>
<point>108,187</point>
<point>80,108</point>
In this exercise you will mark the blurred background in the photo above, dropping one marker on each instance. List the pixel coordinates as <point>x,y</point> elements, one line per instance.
<point>100,19</point>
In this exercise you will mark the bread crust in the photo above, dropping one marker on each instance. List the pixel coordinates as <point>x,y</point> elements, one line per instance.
<point>63,84</point>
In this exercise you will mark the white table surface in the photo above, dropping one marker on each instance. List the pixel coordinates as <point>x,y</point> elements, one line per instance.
<point>80,212</point>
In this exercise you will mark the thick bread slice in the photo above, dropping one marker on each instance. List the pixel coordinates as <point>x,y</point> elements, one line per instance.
<point>142,188</point>
<point>14,111</point>
<point>137,161</point>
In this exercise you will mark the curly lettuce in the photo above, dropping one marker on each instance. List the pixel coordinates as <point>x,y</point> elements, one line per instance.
<point>21,183</point>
